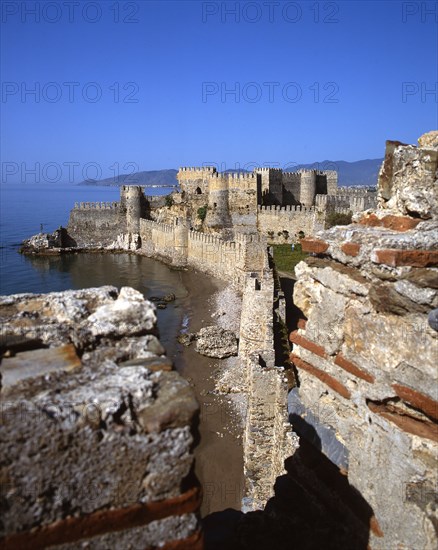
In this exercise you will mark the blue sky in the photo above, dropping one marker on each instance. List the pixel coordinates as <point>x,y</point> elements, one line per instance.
<point>153,85</point>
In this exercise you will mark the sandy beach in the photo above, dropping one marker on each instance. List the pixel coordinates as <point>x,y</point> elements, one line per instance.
<point>219,457</point>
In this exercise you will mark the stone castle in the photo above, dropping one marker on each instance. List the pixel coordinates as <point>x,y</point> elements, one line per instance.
<point>275,204</point>
<point>268,200</point>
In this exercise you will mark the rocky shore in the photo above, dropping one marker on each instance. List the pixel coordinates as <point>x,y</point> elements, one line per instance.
<point>219,455</point>
<point>215,307</point>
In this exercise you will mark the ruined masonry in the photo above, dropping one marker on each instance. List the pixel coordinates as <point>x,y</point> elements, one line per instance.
<point>96,428</point>
<point>366,356</point>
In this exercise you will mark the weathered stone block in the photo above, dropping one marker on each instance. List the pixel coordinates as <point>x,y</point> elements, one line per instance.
<point>31,364</point>
<point>91,449</point>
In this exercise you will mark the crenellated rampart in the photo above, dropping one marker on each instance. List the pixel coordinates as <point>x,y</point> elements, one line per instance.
<point>275,209</point>
<point>353,202</point>
<point>356,191</point>
<point>213,255</point>
<point>96,205</point>
<point>273,221</point>
<point>96,224</point>
<point>180,246</point>
<point>270,186</point>
<point>189,170</point>
<point>243,263</point>
<point>159,239</point>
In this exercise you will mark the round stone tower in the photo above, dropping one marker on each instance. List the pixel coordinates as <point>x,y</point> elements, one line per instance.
<point>131,200</point>
<point>218,214</point>
<point>308,187</point>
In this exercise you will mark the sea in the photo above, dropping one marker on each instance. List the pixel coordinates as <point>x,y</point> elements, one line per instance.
<point>25,209</point>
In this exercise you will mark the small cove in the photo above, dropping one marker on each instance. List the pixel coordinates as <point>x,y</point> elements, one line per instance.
<point>218,455</point>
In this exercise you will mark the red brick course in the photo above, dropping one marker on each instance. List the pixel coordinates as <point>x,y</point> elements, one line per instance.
<point>307,344</point>
<point>351,249</point>
<point>418,400</point>
<point>397,223</point>
<point>313,245</point>
<point>353,369</point>
<point>412,258</point>
<point>375,527</point>
<point>405,422</point>
<point>326,378</point>
<point>72,529</point>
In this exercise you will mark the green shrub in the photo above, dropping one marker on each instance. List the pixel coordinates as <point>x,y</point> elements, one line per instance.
<point>202,212</point>
<point>336,218</point>
<point>285,258</point>
<point>168,200</point>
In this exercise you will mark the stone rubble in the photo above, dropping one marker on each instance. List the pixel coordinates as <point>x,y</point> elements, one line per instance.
<point>96,428</point>
<point>220,340</point>
<point>216,342</point>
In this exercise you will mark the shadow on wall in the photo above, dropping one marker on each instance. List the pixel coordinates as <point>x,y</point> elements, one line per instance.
<point>314,507</point>
<point>293,313</point>
<point>66,240</point>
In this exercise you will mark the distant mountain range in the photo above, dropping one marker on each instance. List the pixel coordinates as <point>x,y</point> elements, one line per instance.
<point>360,172</point>
<point>149,177</point>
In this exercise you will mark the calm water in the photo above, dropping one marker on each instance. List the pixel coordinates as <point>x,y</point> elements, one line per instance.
<point>24,207</point>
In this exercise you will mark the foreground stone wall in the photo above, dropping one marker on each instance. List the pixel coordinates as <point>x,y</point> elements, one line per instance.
<point>267,436</point>
<point>96,437</point>
<point>367,357</point>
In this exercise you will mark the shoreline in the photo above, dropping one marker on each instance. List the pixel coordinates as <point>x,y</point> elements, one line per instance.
<point>219,386</point>
<point>219,452</point>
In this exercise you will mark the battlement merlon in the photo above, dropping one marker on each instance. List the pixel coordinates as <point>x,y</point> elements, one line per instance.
<point>267,169</point>
<point>359,191</point>
<point>199,171</point>
<point>132,188</point>
<point>241,175</point>
<point>96,205</point>
<point>198,168</point>
<point>277,210</point>
<point>196,172</point>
